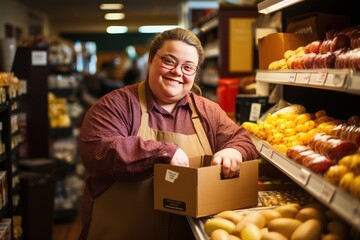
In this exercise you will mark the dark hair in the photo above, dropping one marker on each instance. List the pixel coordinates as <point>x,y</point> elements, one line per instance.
<point>179,34</point>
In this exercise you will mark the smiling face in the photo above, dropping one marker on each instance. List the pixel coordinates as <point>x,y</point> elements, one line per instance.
<point>169,86</point>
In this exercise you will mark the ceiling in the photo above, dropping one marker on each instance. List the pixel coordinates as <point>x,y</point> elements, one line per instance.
<point>85,15</point>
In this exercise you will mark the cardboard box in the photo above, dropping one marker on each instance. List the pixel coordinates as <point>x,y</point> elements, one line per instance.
<point>317,23</point>
<point>273,46</point>
<point>199,191</point>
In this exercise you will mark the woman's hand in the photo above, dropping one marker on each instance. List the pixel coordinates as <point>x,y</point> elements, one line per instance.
<point>180,158</point>
<point>230,160</point>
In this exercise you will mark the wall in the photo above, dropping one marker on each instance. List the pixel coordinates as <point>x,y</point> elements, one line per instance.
<point>19,16</point>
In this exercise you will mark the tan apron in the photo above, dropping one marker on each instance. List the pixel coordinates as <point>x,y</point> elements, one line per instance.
<point>125,210</point>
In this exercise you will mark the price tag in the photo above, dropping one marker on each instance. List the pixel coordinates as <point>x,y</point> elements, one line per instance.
<point>255,111</point>
<point>292,77</point>
<point>302,78</point>
<point>266,151</point>
<point>327,193</point>
<point>38,58</point>
<point>304,176</point>
<point>335,80</point>
<point>318,78</point>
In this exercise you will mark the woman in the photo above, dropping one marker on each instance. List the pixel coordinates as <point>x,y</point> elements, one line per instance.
<point>159,120</point>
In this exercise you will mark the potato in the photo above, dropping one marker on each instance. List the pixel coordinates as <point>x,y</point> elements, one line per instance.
<point>307,213</point>
<point>273,236</point>
<point>233,237</point>
<point>287,211</point>
<point>285,226</point>
<point>219,234</point>
<point>216,223</point>
<point>233,216</point>
<point>269,215</point>
<point>253,217</point>
<point>309,230</point>
<point>250,232</point>
<point>332,236</point>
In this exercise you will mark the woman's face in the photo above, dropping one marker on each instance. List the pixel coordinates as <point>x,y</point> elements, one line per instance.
<point>169,86</point>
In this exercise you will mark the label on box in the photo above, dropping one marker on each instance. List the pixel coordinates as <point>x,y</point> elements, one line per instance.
<point>174,204</point>
<point>171,176</point>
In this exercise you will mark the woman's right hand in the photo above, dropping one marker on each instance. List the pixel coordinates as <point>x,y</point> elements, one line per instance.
<point>180,158</point>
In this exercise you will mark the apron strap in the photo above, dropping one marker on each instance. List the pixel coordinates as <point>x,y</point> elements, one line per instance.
<point>199,128</point>
<point>142,96</point>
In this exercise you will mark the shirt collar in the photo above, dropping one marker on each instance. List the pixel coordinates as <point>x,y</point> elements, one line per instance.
<point>152,104</point>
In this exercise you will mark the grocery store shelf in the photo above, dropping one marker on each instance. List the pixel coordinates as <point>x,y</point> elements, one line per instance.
<point>336,199</point>
<point>341,80</point>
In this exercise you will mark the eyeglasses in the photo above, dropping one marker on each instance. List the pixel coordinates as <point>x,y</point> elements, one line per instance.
<point>170,64</point>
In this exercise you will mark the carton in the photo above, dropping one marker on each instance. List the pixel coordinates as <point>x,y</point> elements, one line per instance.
<point>317,23</point>
<point>200,191</point>
<point>273,46</point>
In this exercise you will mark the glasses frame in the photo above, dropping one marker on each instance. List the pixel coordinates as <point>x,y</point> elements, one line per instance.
<point>177,64</point>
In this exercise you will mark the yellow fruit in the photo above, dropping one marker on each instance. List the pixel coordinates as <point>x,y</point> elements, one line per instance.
<point>355,187</point>
<point>216,223</point>
<point>335,173</point>
<point>346,180</point>
<point>346,161</point>
<point>287,211</point>
<point>219,234</point>
<point>233,216</point>
<point>309,230</point>
<point>303,118</point>
<point>250,232</point>
<point>355,164</point>
<point>285,226</point>
<point>273,236</point>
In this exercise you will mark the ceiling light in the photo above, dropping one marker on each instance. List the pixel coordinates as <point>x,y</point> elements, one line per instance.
<point>269,6</point>
<point>116,29</point>
<point>156,28</point>
<point>114,16</point>
<point>111,6</point>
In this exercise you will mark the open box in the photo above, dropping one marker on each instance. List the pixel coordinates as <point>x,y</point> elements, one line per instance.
<point>273,46</point>
<point>199,191</point>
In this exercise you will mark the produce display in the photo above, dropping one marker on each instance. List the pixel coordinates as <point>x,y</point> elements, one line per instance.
<point>324,145</point>
<point>283,197</point>
<point>340,49</point>
<point>291,221</point>
<point>292,126</point>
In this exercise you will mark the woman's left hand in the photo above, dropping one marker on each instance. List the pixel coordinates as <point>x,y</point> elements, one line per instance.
<point>230,159</point>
